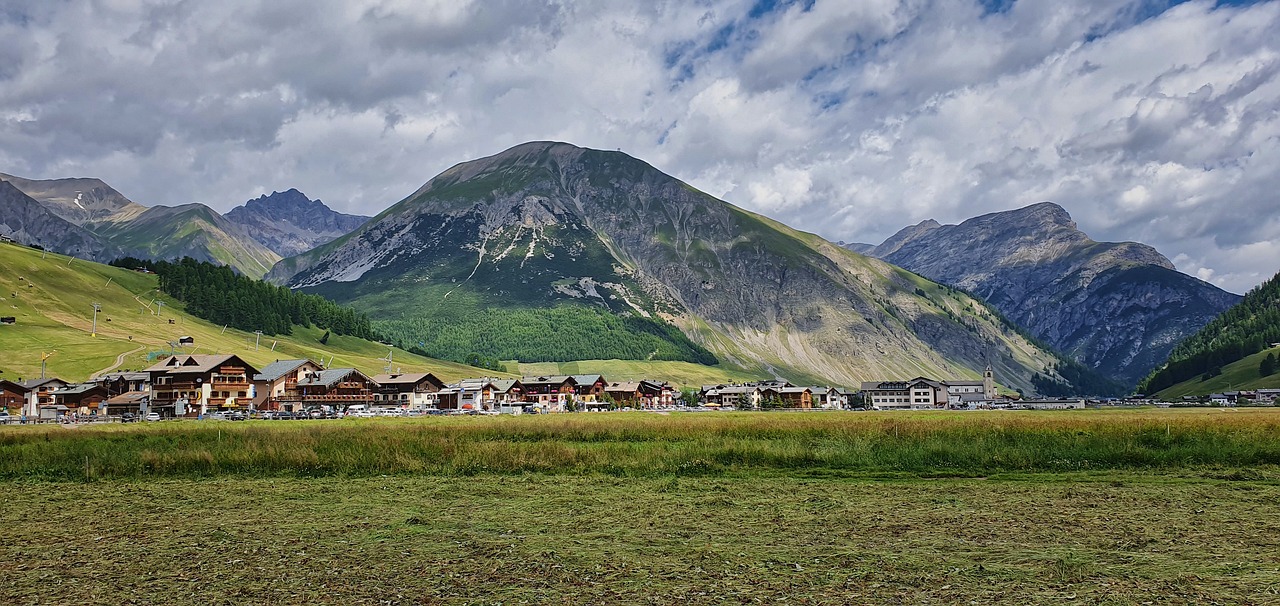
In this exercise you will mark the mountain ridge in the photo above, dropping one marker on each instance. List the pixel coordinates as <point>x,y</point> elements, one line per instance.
<point>290,223</point>
<point>1119,307</point>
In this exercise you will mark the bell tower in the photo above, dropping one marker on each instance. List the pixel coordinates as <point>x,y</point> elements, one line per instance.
<point>989,383</point>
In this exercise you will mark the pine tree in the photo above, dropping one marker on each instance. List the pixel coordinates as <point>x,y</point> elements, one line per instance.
<point>1268,365</point>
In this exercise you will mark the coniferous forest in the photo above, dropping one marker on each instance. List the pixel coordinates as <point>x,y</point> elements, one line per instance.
<point>1241,331</point>
<point>220,295</point>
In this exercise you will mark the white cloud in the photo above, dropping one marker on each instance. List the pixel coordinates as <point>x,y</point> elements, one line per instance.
<point>850,119</point>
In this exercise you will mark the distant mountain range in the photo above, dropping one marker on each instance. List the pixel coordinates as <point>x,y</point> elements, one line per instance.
<point>1117,307</point>
<point>90,219</point>
<point>548,244</point>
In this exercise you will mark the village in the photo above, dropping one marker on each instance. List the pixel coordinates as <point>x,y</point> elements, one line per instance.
<point>224,386</point>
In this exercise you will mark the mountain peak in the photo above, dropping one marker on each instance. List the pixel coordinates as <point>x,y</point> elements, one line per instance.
<point>289,222</point>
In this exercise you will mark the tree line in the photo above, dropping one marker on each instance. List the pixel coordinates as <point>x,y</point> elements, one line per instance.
<point>220,295</point>
<point>559,334</point>
<point>1241,331</point>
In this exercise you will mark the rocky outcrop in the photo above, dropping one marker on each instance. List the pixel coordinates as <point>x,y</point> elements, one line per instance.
<point>26,221</point>
<point>289,223</point>
<point>545,223</point>
<point>1118,307</point>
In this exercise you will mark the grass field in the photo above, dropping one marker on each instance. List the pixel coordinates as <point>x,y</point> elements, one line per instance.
<point>1088,507</point>
<point>52,298</point>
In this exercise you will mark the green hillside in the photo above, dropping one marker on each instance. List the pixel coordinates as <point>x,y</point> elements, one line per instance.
<point>191,230</point>
<point>52,295</point>
<point>1239,333</point>
<point>1238,375</point>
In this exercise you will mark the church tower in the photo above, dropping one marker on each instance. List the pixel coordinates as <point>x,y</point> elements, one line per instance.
<point>989,383</point>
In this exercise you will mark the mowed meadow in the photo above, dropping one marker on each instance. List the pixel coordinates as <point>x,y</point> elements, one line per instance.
<point>639,444</point>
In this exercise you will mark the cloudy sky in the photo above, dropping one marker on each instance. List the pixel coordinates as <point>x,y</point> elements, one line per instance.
<point>1149,121</point>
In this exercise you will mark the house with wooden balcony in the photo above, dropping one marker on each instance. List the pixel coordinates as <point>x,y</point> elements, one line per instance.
<point>549,391</point>
<point>415,390</point>
<point>28,396</point>
<point>589,388</point>
<point>192,385</point>
<point>336,388</point>
<point>82,398</point>
<point>276,386</point>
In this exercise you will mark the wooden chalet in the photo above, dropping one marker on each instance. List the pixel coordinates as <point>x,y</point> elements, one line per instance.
<point>275,387</point>
<point>192,385</point>
<point>549,391</point>
<point>28,396</point>
<point>640,394</point>
<point>83,398</point>
<point>589,388</point>
<point>407,390</point>
<point>791,397</point>
<point>336,387</point>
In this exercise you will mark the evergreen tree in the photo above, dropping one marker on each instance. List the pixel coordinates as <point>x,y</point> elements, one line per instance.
<point>1268,365</point>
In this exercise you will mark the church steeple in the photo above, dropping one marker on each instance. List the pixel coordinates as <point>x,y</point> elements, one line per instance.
<point>989,383</point>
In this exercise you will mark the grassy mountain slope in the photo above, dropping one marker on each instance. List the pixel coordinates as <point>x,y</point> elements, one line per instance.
<point>1238,334</point>
<point>79,200</point>
<point>1238,375</point>
<point>190,230</point>
<point>544,227</point>
<point>52,298</point>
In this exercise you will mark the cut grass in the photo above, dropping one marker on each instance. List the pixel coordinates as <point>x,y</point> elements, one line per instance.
<point>1241,374</point>
<point>602,540</point>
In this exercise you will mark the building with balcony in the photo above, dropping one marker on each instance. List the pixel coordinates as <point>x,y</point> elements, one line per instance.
<point>414,390</point>
<point>276,386</point>
<point>192,385</point>
<point>336,388</point>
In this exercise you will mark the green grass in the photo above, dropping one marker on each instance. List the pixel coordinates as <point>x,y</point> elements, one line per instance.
<point>973,444</point>
<point>53,307</point>
<point>1172,507</point>
<point>1241,374</point>
<point>678,373</point>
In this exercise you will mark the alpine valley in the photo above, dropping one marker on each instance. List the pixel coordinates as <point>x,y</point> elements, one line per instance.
<point>1117,307</point>
<point>551,252</point>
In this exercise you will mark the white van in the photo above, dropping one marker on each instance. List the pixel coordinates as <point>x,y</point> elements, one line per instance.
<point>359,410</point>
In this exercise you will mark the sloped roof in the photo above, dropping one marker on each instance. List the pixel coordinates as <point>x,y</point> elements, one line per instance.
<point>280,368</point>
<point>326,378</point>
<point>79,388</point>
<point>197,363</point>
<point>30,384</point>
<point>128,397</point>
<point>586,379</point>
<point>548,380</point>
<point>406,378</point>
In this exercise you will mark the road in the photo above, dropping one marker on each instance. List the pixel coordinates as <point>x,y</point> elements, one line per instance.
<point>119,360</point>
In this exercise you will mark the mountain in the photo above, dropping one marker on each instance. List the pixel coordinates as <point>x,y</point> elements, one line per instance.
<point>1118,307</point>
<point>28,222</point>
<point>79,201</point>
<point>1242,332</point>
<point>190,230</point>
<point>289,223</point>
<point>122,227</point>
<point>551,252</point>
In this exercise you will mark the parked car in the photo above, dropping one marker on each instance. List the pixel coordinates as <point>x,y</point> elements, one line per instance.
<point>5,417</point>
<point>128,417</point>
<point>153,416</point>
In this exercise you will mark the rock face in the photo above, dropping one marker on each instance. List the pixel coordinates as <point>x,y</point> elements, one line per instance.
<point>79,201</point>
<point>121,227</point>
<point>28,222</point>
<point>289,223</point>
<point>543,224</point>
<point>1117,307</point>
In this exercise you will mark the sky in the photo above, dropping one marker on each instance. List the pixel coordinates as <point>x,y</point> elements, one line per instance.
<point>1157,122</point>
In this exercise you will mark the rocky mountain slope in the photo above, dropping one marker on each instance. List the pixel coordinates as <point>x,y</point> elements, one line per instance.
<point>80,201</point>
<point>1117,307</point>
<point>289,223</point>
<point>122,227</point>
<point>26,221</point>
<point>544,229</point>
